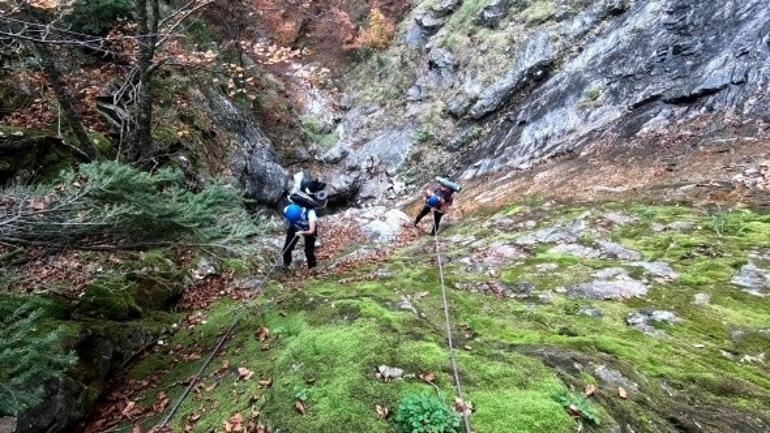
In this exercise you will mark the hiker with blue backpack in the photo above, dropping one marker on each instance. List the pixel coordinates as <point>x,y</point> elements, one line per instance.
<point>300,214</point>
<point>437,200</point>
<point>302,223</point>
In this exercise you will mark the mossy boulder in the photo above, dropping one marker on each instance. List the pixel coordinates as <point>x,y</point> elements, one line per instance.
<point>110,298</point>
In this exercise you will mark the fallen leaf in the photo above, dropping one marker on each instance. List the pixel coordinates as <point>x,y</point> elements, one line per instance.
<point>622,392</point>
<point>224,367</point>
<point>382,411</point>
<point>574,409</point>
<point>235,424</point>
<point>462,406</point>
<point>161,402</point>
<point>428,377</point>
<point>300,407</point>
<point>244,373</point>
<point>266,383</point>
<point>137,429</point>
<point>590,390</point>
<point>126,412</point>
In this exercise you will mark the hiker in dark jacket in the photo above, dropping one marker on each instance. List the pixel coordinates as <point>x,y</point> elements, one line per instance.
<point>302,223</point>
<point>437,199</point>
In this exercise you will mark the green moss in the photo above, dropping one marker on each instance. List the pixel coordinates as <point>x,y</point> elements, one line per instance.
<point>317,133</point>
<point>592,97</point>
<point>329,338</point>
<point>103,144</point>
<point>525,411</point>
<point>110,298</point>
<point>539,11</point>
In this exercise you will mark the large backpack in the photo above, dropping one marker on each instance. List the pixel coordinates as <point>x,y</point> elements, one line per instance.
<point>311,194</point>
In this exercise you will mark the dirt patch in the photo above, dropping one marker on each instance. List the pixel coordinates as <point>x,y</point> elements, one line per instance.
<point>705,174</point>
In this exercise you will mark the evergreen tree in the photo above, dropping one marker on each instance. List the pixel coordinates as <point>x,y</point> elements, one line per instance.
<point>29,359</point>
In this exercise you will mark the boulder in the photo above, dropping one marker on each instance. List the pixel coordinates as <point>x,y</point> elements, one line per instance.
<point>559,233</point>
<point>619,218</point>
<point>610,273</point>
<point>253,163</point>
<point>389,149</point>
<point>591,312</point>
<point>458,105</point>
<point>381,225</point>
<point>442,8</point>
<point>701,299</point>
<point>644,320</point>
<point>611,376</point>
<point>616,289</point>
<point>491,14</point>
<point>530,66</point>
<point>576,250</point>
<point>617,251</point>
<point>657,269</point>
<point>754,280</point>
<point>335,154</point>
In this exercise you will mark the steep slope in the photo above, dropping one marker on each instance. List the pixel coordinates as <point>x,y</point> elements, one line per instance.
<point>664,304</point>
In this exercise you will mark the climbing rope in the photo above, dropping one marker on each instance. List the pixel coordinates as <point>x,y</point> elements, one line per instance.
<point>238,313</point>
<point>450,341</point>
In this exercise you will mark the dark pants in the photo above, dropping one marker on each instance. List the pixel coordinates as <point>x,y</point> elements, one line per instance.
<point>436,218</point>
<point>291,242</point>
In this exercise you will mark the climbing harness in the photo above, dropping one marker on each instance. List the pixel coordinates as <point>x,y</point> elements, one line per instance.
<point>450,342</point>
<point>238,313</point>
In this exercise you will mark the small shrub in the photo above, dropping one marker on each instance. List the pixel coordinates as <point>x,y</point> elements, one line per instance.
<point>646,213</point>
<point>300,393</point>
<point>98,17</point>
<point>425,413</point>
<point>379,32</point>
<point>424,135</point>
<point>578,405</point>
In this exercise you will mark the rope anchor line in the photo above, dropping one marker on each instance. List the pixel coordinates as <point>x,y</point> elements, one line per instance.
<point>450,341</point>
<point>218,346</point>
<point>220,343</point>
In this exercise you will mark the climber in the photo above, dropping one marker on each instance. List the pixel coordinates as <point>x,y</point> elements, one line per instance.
<point>301,222</point>
<point>437,199</point>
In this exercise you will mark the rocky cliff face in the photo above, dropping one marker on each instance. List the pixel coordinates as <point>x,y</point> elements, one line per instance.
<point>476,87</point>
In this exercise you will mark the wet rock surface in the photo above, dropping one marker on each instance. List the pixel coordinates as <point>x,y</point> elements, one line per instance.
<point>688,56</point>
<point>254,163</point>
<point>753,279</point>
<point>643,321</point>
<point>576,250</point>
<point>620,289</point>
<point>380,224</point>
<point>657,269</point>
<point>559,233</point>
<point>617,251</point>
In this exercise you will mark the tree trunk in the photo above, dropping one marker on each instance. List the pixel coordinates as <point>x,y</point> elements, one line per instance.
<point>66,100</point>
<point>147,36</point>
